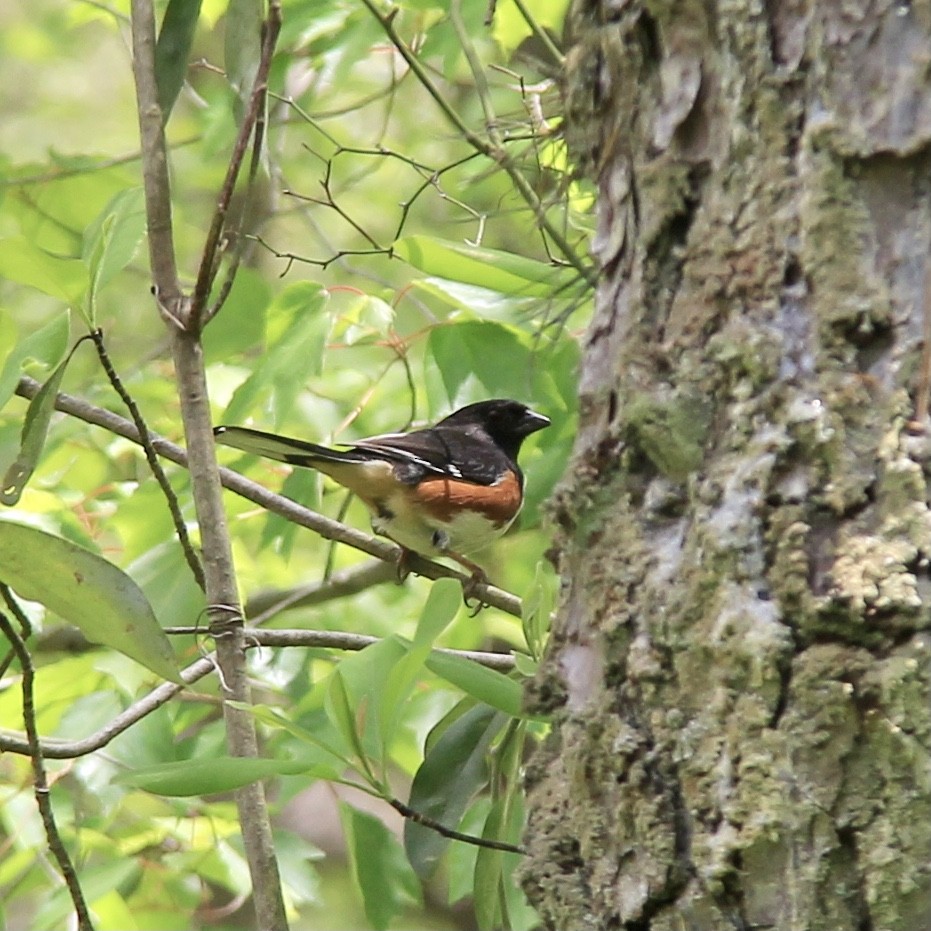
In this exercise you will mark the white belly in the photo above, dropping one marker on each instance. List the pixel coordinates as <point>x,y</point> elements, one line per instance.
<point>467,532</point>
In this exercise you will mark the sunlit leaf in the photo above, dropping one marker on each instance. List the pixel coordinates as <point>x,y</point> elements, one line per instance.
<point>487,685</point>
<point>36,354</point>
<point>60,276</point>
<point>502,271</point>
<point>208,776</point>
<point>97,880</point>
<point>32,440</point>
<point>510,27</point>
<point>87,591</point>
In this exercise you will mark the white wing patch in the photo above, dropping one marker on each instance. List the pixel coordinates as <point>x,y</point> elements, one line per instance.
<point>394,453</point>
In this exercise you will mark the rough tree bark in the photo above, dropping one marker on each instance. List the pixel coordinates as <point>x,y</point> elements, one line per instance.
<point>740,670</point>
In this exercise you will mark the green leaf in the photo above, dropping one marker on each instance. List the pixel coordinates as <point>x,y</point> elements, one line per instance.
<point>510,28</point>
<point>488,872</point>
<point>208,776</point>
<point>501,271</point>
<point>365,317</point>
<point>340,714</point>
<point>298,325</point>
<point>111,241</point>
<point>384,879</point>
<point>369,709</point>
<point>60,276</point>
<point>32,441</point>
<point>243,44</point>
<point>167,582</point>
<point>173,49</point>
<point>87,591</point>
<point>439,610</point>
<point>477,301</point>
<point>487,685</point>
<point>441,607</point>
<point>498,357</point>
<point>36,354</point>
<point>520,913</point>
<point>96,881</point>
<point>275,718</point>
<point>453,771</point>
<point>240,326</point>
<point>537,608</point>
<point>493,868</point>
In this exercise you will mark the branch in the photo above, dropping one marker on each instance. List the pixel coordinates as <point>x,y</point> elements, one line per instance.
<point>264,604</point>
<point>208,262</point>
<point>285,507</point>
<point>40,781</point>
<point>155,165</point>
<point>55,748</point>
<point>434,825</point>
<point>185,318</point>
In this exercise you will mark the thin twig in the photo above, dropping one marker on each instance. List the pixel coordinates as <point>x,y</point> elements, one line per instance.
<point>55,748</point>
<point>208,263</point>
<point>497,154</point>
<point>25,627</point>
<point>544,37</point>
<point>434,825</point>
<point>40,780</point>
<point>145,440</point>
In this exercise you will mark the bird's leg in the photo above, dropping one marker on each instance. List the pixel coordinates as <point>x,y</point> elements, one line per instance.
<point>403,567</point>
<point>477,576</point>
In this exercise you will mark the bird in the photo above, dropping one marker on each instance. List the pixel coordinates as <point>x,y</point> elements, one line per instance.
<point>444,491</point>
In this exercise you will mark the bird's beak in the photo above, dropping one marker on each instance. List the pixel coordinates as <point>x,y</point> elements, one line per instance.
<point>534,421</point>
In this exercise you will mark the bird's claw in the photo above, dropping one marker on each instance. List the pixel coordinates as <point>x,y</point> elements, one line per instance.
<point>470,596</point>
<point>403,565</point>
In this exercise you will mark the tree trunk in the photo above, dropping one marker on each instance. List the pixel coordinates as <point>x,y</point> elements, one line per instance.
<point>739,674</point>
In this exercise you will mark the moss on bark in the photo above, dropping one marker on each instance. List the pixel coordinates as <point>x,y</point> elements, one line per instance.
<point>742,648</point>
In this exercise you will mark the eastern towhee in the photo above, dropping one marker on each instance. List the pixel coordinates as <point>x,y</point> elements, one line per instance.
<point>448,490</point>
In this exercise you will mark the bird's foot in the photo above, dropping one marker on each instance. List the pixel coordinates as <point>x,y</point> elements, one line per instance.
<point>477,579</point>
<point>470,596</point>
<point>403,565</point>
